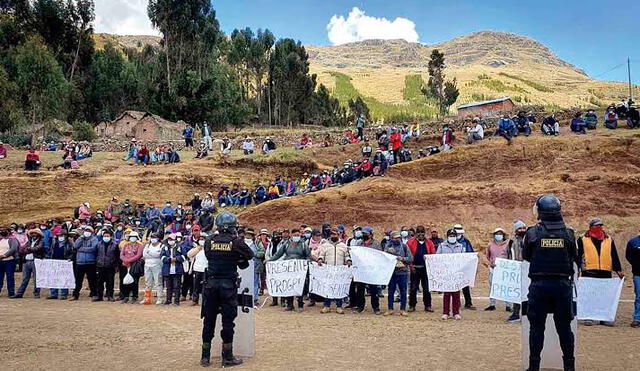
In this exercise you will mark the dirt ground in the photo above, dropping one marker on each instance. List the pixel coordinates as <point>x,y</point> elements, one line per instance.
<point>62,335</point>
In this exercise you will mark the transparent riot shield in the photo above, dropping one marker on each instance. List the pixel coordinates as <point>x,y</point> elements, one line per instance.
<point>551,357</point>
<point>244,337</point>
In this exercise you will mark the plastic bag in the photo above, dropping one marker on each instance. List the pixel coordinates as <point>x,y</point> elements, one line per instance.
<point>128,279</point>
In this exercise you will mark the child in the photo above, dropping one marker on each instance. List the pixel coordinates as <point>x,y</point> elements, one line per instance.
<point>451,246</point>
<point>172,269</point>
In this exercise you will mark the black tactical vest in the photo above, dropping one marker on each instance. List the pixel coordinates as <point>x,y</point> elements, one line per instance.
<point>223,259</point>
<point>553,251</point>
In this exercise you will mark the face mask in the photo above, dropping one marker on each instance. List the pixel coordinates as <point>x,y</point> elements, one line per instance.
<point>20,231</point>
<point>137,222</point>
<point>451,240</point>
<point>188,226</point>
<point>87,234</point>
<point>178,220</point>
<point>119,228</point>
<point>307,235</point>
<point>248,241</point>
<point>358,234</point>
<point>334,239</point>
<point>154,241</point>
<point>171,242</point>
<point>43,227</point>
<point>295,239</point>
<point>107,239</point>
<point>498,237</point>
<point>168,205</point>
<point>459,238</point>
<point>61,239</point>
<point>201,242</point>
<point>133,239</point>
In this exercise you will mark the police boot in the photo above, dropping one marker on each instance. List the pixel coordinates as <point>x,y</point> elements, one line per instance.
<point>227,356</point>
<point>569,364</point>
<point>534,364</point>
<point>206,354</point>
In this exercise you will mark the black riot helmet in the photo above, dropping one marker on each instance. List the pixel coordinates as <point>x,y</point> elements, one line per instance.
<point>547,208</point>
<point>226,221</point>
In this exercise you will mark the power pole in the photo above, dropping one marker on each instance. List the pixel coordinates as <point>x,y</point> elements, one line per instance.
<point>629,74</point>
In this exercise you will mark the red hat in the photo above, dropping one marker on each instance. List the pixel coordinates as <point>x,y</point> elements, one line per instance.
<point>196,228</point>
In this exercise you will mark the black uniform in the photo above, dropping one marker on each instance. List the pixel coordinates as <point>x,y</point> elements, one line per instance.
<point>225,253</point>
<point>550,247</point>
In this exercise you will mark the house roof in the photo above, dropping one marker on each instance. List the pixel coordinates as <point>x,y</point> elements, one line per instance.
<point>138,115</point>
<point>476,104</point>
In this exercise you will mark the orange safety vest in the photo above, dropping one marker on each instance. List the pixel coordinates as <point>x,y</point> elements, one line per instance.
<point>593,261</point>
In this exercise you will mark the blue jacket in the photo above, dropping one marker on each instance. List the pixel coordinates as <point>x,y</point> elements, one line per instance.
<point>178,253</point>
<point>466,243</point>
<point>60,251</point>
<point>168,211</point>
<point>506,125</point>
<point>152,213</point>
<point>86,250</point>
<point>47,239</point>
<point>187,132</point>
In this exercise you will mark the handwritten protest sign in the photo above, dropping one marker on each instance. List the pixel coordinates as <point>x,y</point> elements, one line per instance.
<point>598,298</point>
<point>54,274</point>
<point>451,272</point>
<point>286,277</point>
<point>506,284</point>
<point>330,281</point>
<point>372,266</point>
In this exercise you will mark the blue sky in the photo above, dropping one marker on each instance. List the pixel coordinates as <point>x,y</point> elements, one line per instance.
<point>593,35</point>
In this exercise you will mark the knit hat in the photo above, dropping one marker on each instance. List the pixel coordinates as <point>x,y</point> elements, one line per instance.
<point>368,230</point>
<point>595,221</point>
<point>519,224</point>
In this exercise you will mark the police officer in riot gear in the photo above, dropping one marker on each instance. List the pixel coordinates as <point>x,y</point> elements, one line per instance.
<point>226,253</point>
<point>550,248</point>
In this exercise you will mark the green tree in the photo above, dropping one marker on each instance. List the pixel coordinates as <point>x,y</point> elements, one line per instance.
<point>325,109</point>
<point>40,82</point>
<point>445,93</point>
<point>357,107</point>
<point>83,131</point>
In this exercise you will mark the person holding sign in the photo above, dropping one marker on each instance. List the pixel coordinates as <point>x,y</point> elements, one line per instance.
<point>633,256</point>
<point>514,252</point>
<point>333,253</point>
<point>34,249</point>
<point>550,248</point>
<point>358,301</point>
<point>62,249</point>
<point>451,299</point>
<point>599,255</point>
<point>497,249</point>
<point>419,247</point>
<point>400,274</point>
<point>294,248</point>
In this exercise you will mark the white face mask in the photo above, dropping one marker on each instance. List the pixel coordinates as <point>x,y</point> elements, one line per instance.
<point>248,241</point>
<point>451,240</point>
<point>61,239</point>
<point>154,241</point>
<point>188,226</point>
<point>171,242</point>
<point>201,242</point>
<point>133,239</point>
<point>119,228</point>
<point>404,233</point>
<point>87,234</point>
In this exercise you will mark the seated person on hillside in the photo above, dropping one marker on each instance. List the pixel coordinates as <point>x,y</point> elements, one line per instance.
<point>349,138</point>
<point>268,146</point>
<point>522,124</point>
<point>273,192</point>
<point>244,197</point>
<point>383,141</point>
<point>223,196</point>
<point>132,150</point>
<point>315,183</point>
<point>326,180</point>
<point>32,160</point>
<point>415,130</point>
<point>260,195</point>
<point>3,151</point>
<point>225,147</point>
<point>172,155</point>
<point>366,149</point>
<point>327,141</point>
<point>476,132</point>
<point>577,124</point>
<point>202,152</point>
<point>379,163</point>
<point>305,142</point>
<point>85,152</point>
<point>52,146</point>
<point>531,117</point>
<point>591,119</point>
<point>290,188</point>
<point>248,146</point>
<point>550,126</point>
<point>143,155</point>
<point>365,168</point>
<point>506,128</point>
<point>234,195</point>
<point>621,110</point>
<point>304,182</point>
<point>611,118</point>
<point>633,116</point>
<point>448,137</point>
<point>405,133</point>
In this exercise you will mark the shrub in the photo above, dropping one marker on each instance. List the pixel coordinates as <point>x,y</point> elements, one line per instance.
<point>83,131</point>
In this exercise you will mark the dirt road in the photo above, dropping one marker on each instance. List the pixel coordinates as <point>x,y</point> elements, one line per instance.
<point>60,335</point>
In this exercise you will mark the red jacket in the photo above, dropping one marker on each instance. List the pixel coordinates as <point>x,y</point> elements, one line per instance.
<point>32,156</point>
<point>395,140</point>
<point>413,246</point>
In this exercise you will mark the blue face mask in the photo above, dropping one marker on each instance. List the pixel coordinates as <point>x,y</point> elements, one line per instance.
<point>358,234</point>
<point>499,237</point>
<point>295,239</point>
<point>106,239</point>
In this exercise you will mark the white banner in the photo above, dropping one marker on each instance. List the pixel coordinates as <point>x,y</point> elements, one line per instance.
<point>330,281</point>
<point>372,266</point>
<point>598,298</point>
<point>286,277</point>
<point>54,274</point>
<point>506,284</point>
<point>451,272</point>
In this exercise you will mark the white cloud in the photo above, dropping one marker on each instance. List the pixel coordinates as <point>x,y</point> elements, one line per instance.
<point>123,17</point>
<point>358,26</point>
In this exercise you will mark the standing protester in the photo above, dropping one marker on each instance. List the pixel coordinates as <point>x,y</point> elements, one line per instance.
<point>258,264</point>
<point>152,253</point>
<point>550,248</point>
<point>400,273</point>
<point>187,134</point>
<point>451,300</point>
<point>172,269</point>
<point>360,125</point>
<point>199,259</point>
<point>8,251</point>
<point>86,253</point>
<point>206,135</point>
<point>62,249</point>
<point>225,253</point>
<point>497,249</point>
<point>597,251</point>
<point>107,263</point>
<point>358,301</point>
<point>633,257</point>
<point>514,252</point>
<point>33,250</point>
<point>130,252</point>
<point>464,241</point>
<point>333,252</point>
<point>294,248</point>
<point>419,247</point>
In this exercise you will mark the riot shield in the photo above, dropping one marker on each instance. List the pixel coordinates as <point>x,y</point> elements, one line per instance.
<point>551,357</point>
<point>244,337</point>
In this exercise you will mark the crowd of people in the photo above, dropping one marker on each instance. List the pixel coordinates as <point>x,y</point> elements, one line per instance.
<point>165,246</point>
